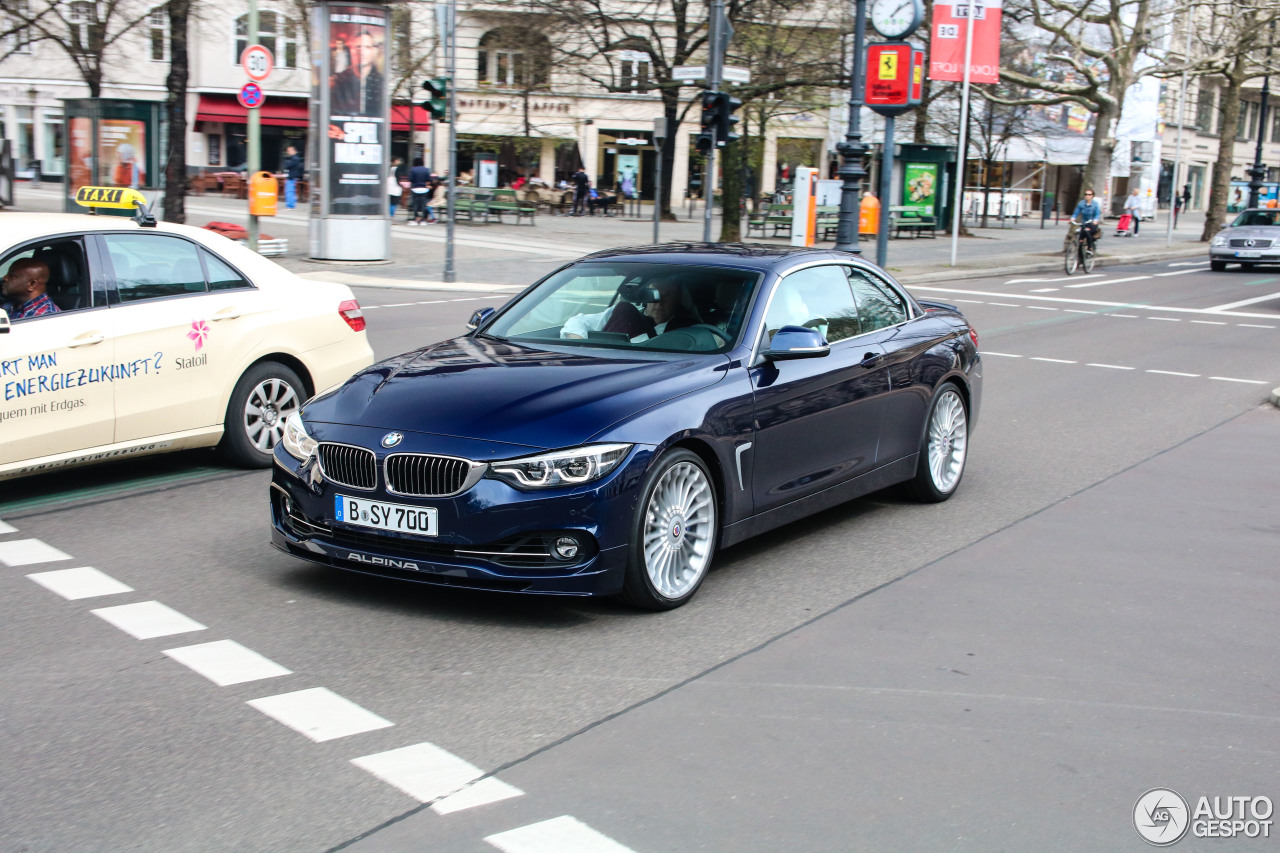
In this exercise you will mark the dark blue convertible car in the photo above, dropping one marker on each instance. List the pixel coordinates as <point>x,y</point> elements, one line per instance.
<point>611,427</point>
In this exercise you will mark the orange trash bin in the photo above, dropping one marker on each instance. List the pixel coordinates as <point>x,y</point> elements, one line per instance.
<point>263,194</point>
<point>869,215</point>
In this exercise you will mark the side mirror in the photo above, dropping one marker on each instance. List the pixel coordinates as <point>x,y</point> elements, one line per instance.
<point>479,318</point>
<point>4,322</point>
<point>792,342</point>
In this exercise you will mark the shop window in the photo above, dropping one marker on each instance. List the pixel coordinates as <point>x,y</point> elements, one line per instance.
<point>276,33</point>
<point>513,58</point>
<point>158,34</point>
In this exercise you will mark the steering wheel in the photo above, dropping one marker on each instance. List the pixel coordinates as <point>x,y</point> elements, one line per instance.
<point>690,338</point>
<point>715,330</point>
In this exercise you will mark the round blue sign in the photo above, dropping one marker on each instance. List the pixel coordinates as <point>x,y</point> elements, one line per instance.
<point>250,95</point>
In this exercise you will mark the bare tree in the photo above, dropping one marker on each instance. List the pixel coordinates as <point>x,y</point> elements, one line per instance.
<point>88,32</point>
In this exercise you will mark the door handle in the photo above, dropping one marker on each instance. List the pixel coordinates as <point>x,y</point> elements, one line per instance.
<point>87,340</point>
<point>871,359</point>
<point>227,314</point>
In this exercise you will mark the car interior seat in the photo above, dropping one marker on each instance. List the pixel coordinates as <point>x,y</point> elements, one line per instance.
<point>67,281</point>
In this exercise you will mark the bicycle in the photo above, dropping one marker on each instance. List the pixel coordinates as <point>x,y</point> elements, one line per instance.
<point>1077,251</point>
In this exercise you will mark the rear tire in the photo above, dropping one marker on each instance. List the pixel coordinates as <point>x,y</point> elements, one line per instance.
<point>1218,266</point>
<point>1072,260</point>
<point>944,447</point>
<point>673,536</point>
<point>266,395</point>
<point>1089,258</point>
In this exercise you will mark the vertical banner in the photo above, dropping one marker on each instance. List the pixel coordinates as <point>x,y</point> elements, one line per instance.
<point>946,41</point>
<point>357,120</point>
<point>920,188</point>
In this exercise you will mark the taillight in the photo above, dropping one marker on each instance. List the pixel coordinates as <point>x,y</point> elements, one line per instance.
<point>350,311</point>
<point>973,336</point>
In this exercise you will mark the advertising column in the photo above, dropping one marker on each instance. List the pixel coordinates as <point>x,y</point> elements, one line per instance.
<point>353,135</point>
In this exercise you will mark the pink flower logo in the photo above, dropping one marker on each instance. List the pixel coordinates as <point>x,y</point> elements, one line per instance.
<point>199,331</point>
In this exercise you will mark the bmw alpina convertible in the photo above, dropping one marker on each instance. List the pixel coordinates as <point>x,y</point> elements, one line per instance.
<point>618,422</point>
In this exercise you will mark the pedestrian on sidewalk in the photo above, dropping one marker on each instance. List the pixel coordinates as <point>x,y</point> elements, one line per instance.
<point>394,190</point>
<point>1133,207</point>
<point>581,184</point>
<point>293,168</point>
<point>419,178</point>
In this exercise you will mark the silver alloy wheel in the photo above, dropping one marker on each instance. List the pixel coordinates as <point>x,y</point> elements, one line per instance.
<point>679,530</point>
<point>948,440</point>
<point>266,409</point>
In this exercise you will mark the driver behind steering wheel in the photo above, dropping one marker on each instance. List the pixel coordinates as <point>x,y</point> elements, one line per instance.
<point>667,314</point>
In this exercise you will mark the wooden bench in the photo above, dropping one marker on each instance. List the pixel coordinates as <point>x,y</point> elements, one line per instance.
<point>470,206</point>
<point>909,219</point>
<point>774,217</point>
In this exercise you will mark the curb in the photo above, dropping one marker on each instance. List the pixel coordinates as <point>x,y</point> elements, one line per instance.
<point>906,277</point>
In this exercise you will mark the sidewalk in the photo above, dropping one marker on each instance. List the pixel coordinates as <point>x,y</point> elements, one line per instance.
<point>527,250</point>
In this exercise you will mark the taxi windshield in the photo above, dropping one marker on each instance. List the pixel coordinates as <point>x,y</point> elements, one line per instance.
<point>618,305</point>
<point>1257,217</point>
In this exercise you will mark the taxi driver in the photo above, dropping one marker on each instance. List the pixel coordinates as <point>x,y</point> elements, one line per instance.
<point>24,289</point>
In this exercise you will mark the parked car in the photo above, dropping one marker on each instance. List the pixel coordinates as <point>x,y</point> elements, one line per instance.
<point>613,426</point>
<point>1252,238</point>
<point>165,337</point>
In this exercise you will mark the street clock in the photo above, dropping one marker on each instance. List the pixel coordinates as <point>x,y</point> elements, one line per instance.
<point>896,19</point>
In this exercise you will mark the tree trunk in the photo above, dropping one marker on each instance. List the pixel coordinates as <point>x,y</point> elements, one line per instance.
<point>1097,174</point>
<point>731,192</point>
<point>1220,187</point>
<point>671,109</point>
<point>175,170</point>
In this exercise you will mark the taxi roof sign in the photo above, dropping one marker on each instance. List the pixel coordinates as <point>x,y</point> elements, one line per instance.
<point>119,198</point>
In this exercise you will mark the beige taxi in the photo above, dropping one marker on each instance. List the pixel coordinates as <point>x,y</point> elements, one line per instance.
<point>167,337</point>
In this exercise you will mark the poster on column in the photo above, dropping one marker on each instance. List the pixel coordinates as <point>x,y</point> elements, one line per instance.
<point>947,37</point>
<point>122,151</point>
<point>357,110</point>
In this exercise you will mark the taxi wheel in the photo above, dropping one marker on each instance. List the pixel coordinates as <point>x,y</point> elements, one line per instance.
<point>266,395</point>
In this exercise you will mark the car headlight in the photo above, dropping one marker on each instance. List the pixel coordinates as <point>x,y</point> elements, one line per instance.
<point>297,441</point>
<point>560,468</point>
<point>1220,240</point>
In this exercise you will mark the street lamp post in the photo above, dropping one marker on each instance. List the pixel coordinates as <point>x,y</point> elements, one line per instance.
<point>852,149</point>
<point>1258,171</point>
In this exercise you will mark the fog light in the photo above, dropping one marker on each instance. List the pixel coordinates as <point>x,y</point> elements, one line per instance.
<point>286,505</point>
<point>566,548</point>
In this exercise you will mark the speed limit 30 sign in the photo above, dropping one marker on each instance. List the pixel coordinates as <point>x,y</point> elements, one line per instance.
<point>257,62</point>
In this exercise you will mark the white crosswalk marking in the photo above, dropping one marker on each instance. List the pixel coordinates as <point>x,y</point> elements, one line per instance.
<point>24,552</point>
<point>7,528</point>
<point>148,619</point>
<point>563,834</point>
<point>226,662</point>
<point>482,793</point>
<point>320,714</point>
<point>426,772</point>
<point>73,584</point>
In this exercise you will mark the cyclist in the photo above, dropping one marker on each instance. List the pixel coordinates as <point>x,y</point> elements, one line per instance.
<point>1089,214</point>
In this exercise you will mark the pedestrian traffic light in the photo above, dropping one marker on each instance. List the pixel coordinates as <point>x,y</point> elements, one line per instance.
<point>726,106</point>
<point>437,102</point>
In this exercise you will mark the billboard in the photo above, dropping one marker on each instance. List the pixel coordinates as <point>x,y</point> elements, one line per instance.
<point>122,145</point>
<point>947,38</point>
<point>357,118</point>
<point>920,187</point>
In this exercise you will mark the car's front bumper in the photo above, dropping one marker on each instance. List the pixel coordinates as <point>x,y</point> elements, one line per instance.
<point>1244,256</point>
<point>492,536</point>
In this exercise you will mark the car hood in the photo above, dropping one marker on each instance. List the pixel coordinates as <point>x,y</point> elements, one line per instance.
<point>1253,232</point>
<point>481,388</point>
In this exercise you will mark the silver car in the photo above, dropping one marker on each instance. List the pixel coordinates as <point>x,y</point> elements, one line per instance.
<point>1253,238</point>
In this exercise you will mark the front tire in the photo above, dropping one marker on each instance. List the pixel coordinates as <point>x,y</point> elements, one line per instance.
<point>673,535</point>
<point>1089,257</point>
<point>944,448</point>
<point>1072,260</point>
<point>1218,266</point>
<point>266,395</point>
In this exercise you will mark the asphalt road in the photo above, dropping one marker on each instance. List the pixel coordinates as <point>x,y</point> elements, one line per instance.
<point>1090,383</point>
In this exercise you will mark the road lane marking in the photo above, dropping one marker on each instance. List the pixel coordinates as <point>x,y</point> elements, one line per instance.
<point>482,793</point>
<point>1051,280</point>
<point>24,552</point>
<point>1040,308</point>
<point>319,714</point>
<point>1253,326</point>
<point>1188,264</point>
<point>974,301</point>
<point>1110,366</point>
<point>426,772</point>
<point>148,619</point>
<point>1174,373</point>
<point>1243,302</point>
<point>226,662</point>
<point>1209,322</point>
<point>562,834</point>
<point>1054,360</point>
<point>1176,272</point>
<point>1167,319</point>
<point>1005,304</point>
<point>1246,381</point>
<point>1111,281</point>
<point>1077,311</point>
<point>1045,290</point>
<point>1126,316</point>
<point>1096,302</point>
<point>74,584</point>
<point>7,528</point>
<point>1002,354</point>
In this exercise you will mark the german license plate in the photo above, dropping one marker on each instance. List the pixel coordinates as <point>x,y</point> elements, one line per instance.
<point>1253,254</point>
<point>384,516</point>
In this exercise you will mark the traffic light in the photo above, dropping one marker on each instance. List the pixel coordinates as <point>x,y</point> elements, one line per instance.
<point>437,102</point>
<point>708,121</point>
<point>726,106</point>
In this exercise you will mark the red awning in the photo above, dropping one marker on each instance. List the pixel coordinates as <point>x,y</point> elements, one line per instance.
<point>290,112</point>
<point>275,111</point>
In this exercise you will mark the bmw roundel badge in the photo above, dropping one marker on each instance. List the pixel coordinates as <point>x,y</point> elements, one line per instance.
<point>391,439</point>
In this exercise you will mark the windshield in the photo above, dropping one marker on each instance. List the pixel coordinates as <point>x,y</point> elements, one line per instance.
<point>1257,217</point>
<point>615,305</point>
